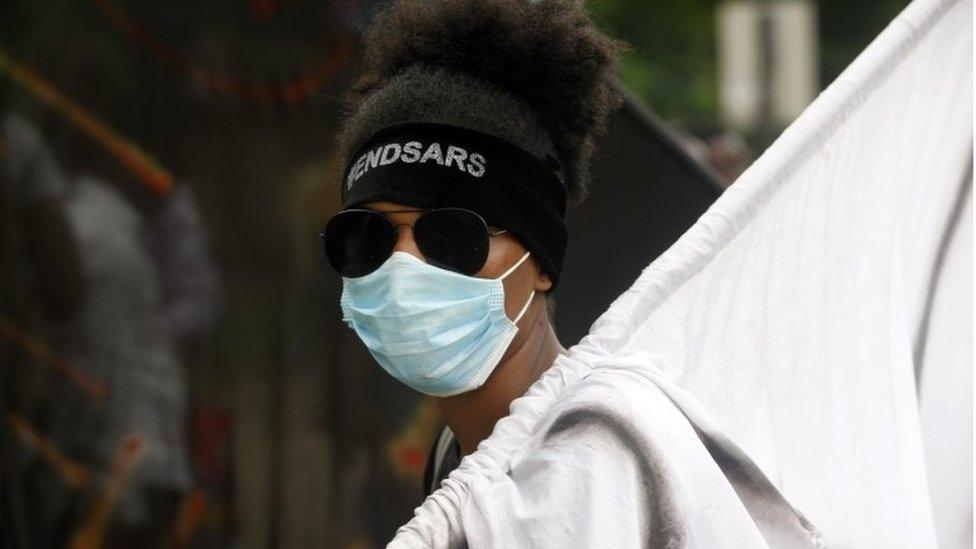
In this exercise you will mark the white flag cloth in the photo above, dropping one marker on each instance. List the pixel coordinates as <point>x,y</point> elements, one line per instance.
<point>769,355</point>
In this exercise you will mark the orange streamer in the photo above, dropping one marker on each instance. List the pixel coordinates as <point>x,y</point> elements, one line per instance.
<point>74,474</point>
<point>298,90</point>
<point>36,350</point>
<point>91,535</point>
<point>191,514</point>
<point>131,156</point>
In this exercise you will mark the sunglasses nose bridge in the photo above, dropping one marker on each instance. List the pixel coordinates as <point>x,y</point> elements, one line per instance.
<point>405,241</point>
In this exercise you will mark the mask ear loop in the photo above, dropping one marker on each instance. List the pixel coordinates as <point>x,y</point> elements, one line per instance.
<point>531,295</point>
<point>524,307</point>
<point>516,266</point>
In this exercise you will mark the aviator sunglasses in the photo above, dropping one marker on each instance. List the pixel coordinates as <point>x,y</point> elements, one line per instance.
<point>358,241</point>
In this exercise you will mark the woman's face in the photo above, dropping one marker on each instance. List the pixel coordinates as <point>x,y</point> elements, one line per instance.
<point>504,251</point>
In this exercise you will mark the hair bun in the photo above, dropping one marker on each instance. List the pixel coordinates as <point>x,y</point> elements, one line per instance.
<point>547,54</point>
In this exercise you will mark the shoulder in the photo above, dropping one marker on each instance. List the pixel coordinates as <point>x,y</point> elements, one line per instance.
<point>620,403</point>
<point>623,412</point>
<point>591,461</point>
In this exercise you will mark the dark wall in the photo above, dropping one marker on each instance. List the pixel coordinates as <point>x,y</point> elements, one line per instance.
<point>646,192</point>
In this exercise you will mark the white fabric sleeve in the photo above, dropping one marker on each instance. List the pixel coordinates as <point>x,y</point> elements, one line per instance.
<point>564,494</point>
<point>618,466</point>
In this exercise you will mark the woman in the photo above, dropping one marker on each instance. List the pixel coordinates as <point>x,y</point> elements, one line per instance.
<point>468,136</point>
<point>490,108</point>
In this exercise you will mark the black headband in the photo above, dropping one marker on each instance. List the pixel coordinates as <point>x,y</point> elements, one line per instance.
<point>428,165</point>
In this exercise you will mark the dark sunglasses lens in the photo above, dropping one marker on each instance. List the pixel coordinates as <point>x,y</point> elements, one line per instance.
<point>453,238</point>
<point>358,242</point>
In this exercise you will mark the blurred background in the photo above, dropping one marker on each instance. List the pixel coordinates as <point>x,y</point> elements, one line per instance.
<point>173,366</point>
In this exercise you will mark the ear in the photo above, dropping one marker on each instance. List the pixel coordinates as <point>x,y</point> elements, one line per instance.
<point>542,280</point>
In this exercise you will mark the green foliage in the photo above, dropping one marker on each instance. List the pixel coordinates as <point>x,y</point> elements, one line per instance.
<point>672,65</point>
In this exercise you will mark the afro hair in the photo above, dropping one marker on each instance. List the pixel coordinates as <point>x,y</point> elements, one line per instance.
<point>538,74</point>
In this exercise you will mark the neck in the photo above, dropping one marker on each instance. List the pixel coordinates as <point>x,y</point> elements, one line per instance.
<point>472,415</point>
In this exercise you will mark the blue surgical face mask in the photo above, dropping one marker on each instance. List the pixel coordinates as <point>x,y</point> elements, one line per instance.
<point>440,332</point>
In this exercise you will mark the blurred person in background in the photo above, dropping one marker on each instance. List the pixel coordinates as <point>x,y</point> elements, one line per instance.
<point>35,228</point>
<point>150,285</point>
<point>43,287</point>
<point>724,150</point>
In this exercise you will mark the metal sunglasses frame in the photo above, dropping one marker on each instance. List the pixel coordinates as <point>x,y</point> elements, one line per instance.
<point>423,211</point>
